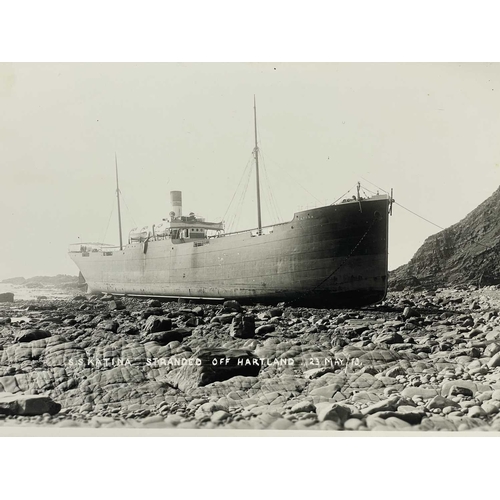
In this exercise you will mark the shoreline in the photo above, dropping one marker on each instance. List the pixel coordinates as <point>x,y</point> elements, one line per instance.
<point>423,361</point>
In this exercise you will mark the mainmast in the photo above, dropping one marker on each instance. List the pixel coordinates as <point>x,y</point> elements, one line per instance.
<point>256,153</point>
<point>118,198</point>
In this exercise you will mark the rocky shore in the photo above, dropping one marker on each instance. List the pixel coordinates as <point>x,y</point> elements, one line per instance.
<point>421,361</point>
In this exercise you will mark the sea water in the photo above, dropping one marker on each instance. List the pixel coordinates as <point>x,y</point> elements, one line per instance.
<point>22,292</point>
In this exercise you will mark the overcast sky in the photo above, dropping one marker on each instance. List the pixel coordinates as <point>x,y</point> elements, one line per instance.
<point>430,131</point>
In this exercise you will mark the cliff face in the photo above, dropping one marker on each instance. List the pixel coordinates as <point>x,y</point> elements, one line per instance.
<point>467,252</point>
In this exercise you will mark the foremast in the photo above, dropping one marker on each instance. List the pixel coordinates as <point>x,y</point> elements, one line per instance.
<point>256,154</point>
<point>118,200</point>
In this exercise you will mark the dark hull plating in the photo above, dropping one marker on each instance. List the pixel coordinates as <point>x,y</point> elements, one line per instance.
<point>334,256</point>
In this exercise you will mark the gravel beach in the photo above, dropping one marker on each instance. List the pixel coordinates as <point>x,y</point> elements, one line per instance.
<point>420,361</point>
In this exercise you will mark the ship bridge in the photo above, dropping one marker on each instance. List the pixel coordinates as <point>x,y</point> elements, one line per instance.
<point>177,226</point>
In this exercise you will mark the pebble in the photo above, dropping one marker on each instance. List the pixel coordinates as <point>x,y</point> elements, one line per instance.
<point>422,392</point>
<point>332,411</point>
<point>439,402</point>
<point>219,416</point>
<point>303,406</point>
<point>476,411</point>
<point>353,424</point>
<point>490,408</point>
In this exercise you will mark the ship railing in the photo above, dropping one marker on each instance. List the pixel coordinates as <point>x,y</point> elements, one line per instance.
<point>92,247</point>
<point>254,231</point>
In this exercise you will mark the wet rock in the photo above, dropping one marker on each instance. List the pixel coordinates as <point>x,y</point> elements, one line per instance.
<point>490,408</point>
<point>388,338</point>
<point>154,303</point>
<point>437,423</point>
<point>117,375</point>
<point>494,361</point>
<point>424,393</point>
<point>353,424</point>
<point>275,312</point>
<point>64,354</point>
<point>303,406</point>
<point>389,404</point>
<point>263,329</point>
<point>157,324</point>
<point>335,412</point>
<point>224,319</point>
<point>31,334</point>
<point>456,387</point>
<point>7,297</point>
<point>231,306</point>
<point>208,409</point>
<point>164,338</point>
<point>408,312</point>
<point>108,325</point>
<point>27,405</point>
<point>327,391</point>
<point>242,326</point>
<point>219,416</point>
<point>198,311</point>
<point>152,311</point>
<point>210,365</point>
<point>128,328</point>
<point>319,372</point>
<point>491,349</point>
<point>440,402</point>
<point>194,321</point>
<point>116,305</point>
<point>395,371</point>
<point>476,411</point>
<point>18,353</point>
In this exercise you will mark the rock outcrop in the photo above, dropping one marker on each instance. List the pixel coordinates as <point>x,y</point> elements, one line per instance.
<point>421,361</point>
<point>465,253</point>
<point>27,405</point>
<point>6,297</point>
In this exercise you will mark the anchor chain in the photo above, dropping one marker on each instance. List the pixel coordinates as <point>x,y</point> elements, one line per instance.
<point>337,268</point>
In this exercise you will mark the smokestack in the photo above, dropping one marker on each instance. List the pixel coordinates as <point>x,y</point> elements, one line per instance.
<point>176,202</point>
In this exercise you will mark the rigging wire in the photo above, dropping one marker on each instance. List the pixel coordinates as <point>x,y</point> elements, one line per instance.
<point>239,207</point>
<point>293,179</point>
<point>236,208</point>
<point>109,220</point>
<point>272,201</point>
<point>245,179</point>
<point>407,209</point>
<point>347,192</point>
<point>236,190</point>
<point>423,218</point>
<point>128,210</point>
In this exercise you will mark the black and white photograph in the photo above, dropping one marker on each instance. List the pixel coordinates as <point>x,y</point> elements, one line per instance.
<point>228,247</point>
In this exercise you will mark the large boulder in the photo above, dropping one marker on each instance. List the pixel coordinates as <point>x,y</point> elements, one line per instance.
<point>7,297</point>
<point>164,338</point>
<point>231,306</point>
<point>157,324</point>
<point>31,334</point>
<point>27,404</point>
<point>243,326</point>
<point>213,364</point>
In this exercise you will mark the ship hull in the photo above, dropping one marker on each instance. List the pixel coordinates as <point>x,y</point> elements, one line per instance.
<point>333,256</point>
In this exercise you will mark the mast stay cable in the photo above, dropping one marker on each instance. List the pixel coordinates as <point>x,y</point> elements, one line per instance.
<point>109,220</point>
<point>423,218</point>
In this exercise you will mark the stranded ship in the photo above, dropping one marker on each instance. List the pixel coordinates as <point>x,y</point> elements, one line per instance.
<point>331,256</point>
